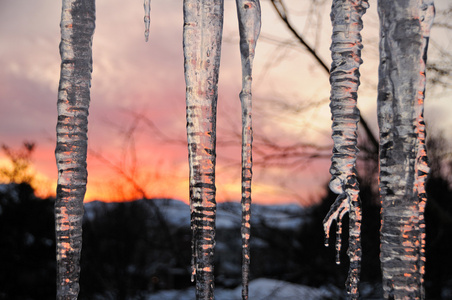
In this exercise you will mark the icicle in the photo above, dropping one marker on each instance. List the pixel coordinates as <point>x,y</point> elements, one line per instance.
<point>405,31</point>
<point>147,18</point>
<point>77,29</point>
<point>203,26</point>
<point>249,16</point>
<point>346,53</point>
<point>421,167</point>
<point>337,212</point>
<point>338,241</point>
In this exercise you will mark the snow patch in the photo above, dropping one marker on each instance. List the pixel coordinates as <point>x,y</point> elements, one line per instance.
<point>259,289</point>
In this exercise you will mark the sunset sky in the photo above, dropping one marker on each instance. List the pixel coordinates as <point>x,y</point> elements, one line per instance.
<point>137,113</point>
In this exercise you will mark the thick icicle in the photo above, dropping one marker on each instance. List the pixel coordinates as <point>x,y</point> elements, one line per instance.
<point>147,18</point>
<point>405,29</point>
<point>421,167</point>
<point>249,16</point>
<point>344,78</point>
<point>77,29</point>
<point>203,27</point>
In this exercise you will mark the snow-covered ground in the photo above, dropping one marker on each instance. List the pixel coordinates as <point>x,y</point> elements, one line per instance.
<point>287,218</point>
<point>259,289</point>
<point>271,289</point>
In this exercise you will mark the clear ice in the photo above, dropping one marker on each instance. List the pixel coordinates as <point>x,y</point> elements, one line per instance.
<point>405,30</point>
<point>249,17</point>
<point>203,28</point>
<point>77,29</point>
<point>344,79</point>
<point>147,18</point>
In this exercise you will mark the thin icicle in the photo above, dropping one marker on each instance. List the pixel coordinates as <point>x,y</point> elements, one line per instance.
<point>147,18</point>
<point>344,78</point>
<point>77,29</point>
<point>405,30</point>
<point>249,16</point>
<point>203,27</point>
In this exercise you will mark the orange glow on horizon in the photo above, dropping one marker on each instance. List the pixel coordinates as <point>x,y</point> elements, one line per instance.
<point>162,172</point>
<point>166,188</point>
<point>179,190</point>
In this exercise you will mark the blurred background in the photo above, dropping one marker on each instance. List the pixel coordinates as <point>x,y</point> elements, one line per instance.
<point>134,248</point>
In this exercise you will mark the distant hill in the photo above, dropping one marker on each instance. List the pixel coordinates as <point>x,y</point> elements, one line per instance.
<point>177,213</point>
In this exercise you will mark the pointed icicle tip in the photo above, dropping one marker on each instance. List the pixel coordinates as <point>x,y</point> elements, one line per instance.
<point>147,18</point>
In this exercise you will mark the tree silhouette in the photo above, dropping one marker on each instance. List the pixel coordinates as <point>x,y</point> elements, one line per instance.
<point>20,163</point>
<point>27,255</point>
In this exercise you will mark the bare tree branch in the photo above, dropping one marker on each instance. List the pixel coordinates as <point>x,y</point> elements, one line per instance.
<point>281,10</point>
